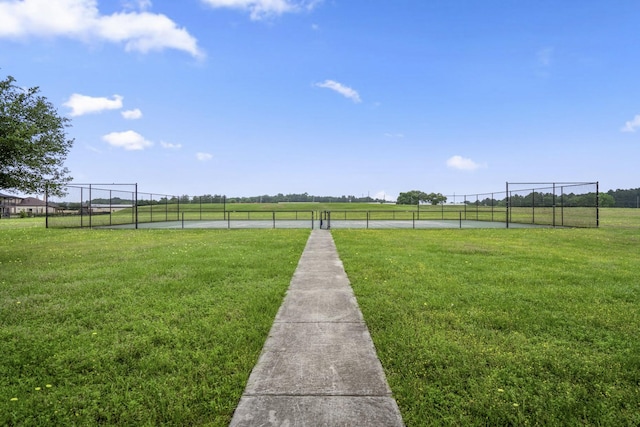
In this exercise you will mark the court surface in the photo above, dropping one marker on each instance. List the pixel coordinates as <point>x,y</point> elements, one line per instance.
<point>335,224</point>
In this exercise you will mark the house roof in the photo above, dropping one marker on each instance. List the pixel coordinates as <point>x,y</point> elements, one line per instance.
<point>9,196</point>
<point>32,201</point>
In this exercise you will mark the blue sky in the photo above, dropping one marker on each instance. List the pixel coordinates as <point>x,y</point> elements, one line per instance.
<point>333,97</point>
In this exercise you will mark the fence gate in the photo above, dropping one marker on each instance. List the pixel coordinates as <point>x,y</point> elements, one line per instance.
<point>325,220</point>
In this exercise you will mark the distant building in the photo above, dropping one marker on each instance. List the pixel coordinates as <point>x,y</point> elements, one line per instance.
<point>14,205</point>
<point>7,204</point>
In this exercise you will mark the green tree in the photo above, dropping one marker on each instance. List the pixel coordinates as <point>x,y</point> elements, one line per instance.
<point>33,142</point>
<point>435,198</point>
<point>412,197</point>
<point>626,198</point>
<point>606,200</point>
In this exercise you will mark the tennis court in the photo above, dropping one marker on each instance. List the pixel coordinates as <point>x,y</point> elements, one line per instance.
<point>522,205</point>
<point>334,224</point>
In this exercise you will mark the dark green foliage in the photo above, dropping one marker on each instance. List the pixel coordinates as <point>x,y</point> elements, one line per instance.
<point>626,198</point>
<point>414,197</point>
<point>33,142</point>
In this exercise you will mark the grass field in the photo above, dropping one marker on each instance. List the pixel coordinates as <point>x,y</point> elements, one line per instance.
<point>503,327</point>
<point>135,327</point>
<point>473,327</point>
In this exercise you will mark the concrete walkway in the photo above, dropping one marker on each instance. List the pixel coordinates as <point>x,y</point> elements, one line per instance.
<point>319,366</point>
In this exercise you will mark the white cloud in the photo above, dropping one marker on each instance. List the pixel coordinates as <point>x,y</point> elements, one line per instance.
<point>260,9</point>
<point>394,135</point>
<point>170,146</point>
<point>134,114</point>
<point>145,32</point>
<point>632,125</point>
<point>129,140</point>
<point>81,20</point>
<point>461,163</point>
<point>83,104</point>
<point>341,89</point>
<point>203,157</point>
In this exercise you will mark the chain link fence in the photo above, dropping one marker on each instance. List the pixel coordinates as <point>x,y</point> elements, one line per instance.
<point>535,204</point>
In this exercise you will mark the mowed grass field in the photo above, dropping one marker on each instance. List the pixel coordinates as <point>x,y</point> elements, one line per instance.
<point>473,327</point>
<point>134,327</point>
<point>504,327</point>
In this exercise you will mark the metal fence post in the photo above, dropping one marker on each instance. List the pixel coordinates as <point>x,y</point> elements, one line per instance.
<point>135,205</point>
<point>553,210</point>
<point>46,207</point>
<point>90,223</point>
<point>562,206</point>
<point>81,209</point>
<point>597,204</point>
<point>465,206</point>
<point>506,199</point>
<point>533,206</point>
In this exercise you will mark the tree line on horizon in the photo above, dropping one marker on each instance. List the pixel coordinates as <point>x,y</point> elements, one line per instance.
<point>626,198</point>
<point>619,198</point>
<point>221,199</point>
<point>611,199</point>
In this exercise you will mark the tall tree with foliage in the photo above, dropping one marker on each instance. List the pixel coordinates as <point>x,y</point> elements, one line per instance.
<point>414,197</point>
<point>435,198</point>
<point>33,142</point>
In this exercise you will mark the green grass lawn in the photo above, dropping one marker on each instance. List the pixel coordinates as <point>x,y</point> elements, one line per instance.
<point>503,327</point>
<point>473,327</point>
<point>621,218</point>
<point>134,327</point>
